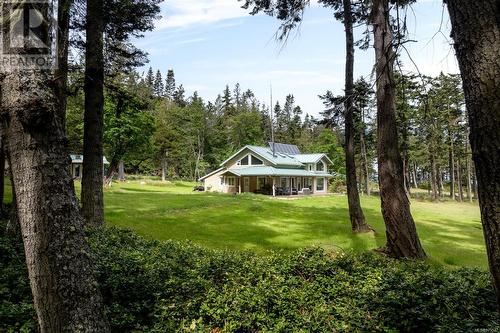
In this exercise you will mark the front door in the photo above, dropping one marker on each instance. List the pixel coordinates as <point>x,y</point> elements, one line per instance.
<point>246,184</point>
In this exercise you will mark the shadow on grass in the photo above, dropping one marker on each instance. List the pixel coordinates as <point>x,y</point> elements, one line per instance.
<point>260,224</point>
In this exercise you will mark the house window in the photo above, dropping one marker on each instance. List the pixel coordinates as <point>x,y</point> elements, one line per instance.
<point>230,181</point>
<point>320,184</point>
<point>320,166</point>
<point>283,182</point>
<point>256,161</point>
<point>244,161</point>
<point>310,167</point>
<point>261,182</point>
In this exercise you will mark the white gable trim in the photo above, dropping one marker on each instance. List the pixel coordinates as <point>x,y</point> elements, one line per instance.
<point>253,152</point>
<point>211,173</point>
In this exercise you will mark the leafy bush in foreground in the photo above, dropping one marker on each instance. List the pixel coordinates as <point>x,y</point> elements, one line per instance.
<point>177,286</point>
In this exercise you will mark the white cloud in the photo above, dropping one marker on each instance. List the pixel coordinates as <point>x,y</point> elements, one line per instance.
<point>184,13</point>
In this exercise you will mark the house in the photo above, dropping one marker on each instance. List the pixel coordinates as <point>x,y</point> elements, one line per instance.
<point>277,169</point>
<point>77,165</point>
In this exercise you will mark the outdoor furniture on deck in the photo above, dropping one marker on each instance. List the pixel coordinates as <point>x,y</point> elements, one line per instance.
<point>305,191</point>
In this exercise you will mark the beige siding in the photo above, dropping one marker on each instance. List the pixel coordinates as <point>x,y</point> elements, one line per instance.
<point>213,183</point>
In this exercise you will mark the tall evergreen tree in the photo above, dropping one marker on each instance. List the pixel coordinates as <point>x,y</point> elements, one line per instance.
<point>92,180</point>
<point>179,96</point>
<point>60,269</point>
<point>401,233</point>
<point>158,85</point>
<point>170,84</point>
<point>150,79</point>
<point>476,32</point>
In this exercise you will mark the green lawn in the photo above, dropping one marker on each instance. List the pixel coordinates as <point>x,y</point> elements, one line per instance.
<point>451,232</point>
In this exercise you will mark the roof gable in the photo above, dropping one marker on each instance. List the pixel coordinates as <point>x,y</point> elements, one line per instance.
<point>312,158</point>
<point>267,154</point>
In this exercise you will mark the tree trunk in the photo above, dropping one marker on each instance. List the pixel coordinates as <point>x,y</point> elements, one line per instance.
<point>65,292</point>
<point>476,34</point>
<point>121,171</point>
<point>163,168</point>
<point>401,233</point>
<point>364,164</point>
<point>358,222</point>
<point>415,176</point>
<point>467,169</point>
<point>459,181</point>
<point>433,178</point>
<point>13,228</point>
<point>452,169</point>
<point>2,176</point>
<point>440,181</point>
<point>63,13</point>
<point>474,182</point>
<point>92,180</point>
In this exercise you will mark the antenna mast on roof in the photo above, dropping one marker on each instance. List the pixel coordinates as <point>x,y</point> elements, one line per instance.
<point>271,116</point>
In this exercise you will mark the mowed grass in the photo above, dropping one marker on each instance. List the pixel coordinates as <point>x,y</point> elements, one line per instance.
<point>450,232</point>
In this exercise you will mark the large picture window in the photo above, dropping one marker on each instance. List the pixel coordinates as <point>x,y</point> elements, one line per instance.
<point>320,184</point>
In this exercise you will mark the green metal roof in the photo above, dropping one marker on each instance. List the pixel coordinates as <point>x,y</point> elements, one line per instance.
<point>272,171</point>
<point>309,158</point>
<point>267,154</point>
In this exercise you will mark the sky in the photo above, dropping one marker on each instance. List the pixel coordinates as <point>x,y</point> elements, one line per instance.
<point>211,43</point>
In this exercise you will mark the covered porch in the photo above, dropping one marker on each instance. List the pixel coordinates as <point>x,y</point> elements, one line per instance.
<point>286,185</point>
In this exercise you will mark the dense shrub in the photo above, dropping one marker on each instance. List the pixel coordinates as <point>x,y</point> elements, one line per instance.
<point>178,286</point>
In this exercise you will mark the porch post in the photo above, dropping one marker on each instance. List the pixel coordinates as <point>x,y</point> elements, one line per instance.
<point>274,187</point>
<point>239,185</point>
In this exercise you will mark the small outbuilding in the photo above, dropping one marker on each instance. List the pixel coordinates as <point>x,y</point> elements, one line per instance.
<point>77,165</point>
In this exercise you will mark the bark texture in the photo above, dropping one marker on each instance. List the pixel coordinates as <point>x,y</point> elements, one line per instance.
<point>358,222</point>
<point>65,292</point>
<point>63,12</point>
<point>92,179</point>
<point>2,175</point>
<point>401,233</point>
<point>476,32</point>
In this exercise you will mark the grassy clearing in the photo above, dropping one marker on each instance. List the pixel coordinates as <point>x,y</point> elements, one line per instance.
<point>451,232</point>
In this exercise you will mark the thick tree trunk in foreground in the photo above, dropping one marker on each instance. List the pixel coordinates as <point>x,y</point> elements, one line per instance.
<point>92,179</point>
<point>401,233</point>
<point>476,33</point>
<point>65,292</point>
<point>356,215</point>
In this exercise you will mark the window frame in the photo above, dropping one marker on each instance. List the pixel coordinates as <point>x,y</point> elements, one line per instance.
<point>252,157</point>
<point>322,184</point>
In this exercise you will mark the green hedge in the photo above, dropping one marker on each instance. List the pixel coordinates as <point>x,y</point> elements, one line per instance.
<point>177,286</point>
